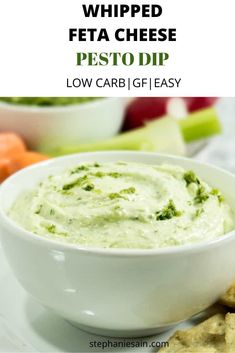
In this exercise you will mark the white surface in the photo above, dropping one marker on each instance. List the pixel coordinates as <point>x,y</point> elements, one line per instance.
<point>92,287</point>
<point>37,57</point>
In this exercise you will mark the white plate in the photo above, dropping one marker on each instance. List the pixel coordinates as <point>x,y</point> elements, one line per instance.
<point>26,326</point>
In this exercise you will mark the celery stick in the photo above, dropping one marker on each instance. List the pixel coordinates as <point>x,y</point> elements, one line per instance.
<point>202,123</point>
<point>162,135</point>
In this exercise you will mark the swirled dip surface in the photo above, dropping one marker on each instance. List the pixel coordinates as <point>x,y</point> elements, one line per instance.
<point>124,205</point>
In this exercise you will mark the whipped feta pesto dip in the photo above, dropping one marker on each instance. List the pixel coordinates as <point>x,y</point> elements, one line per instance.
<point>124,205</point>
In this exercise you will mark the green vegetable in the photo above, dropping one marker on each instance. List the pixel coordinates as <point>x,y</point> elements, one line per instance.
<point>163,135</point>
<point>47,101</point>
<point>160,135</point>
<point>200,124</point>
<point>168,212</point>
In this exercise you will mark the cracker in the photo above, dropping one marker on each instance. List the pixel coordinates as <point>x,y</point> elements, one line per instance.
<point>228,298</point>
<point>230,332</point>
<point>215,335</point>
<point>208,337</point>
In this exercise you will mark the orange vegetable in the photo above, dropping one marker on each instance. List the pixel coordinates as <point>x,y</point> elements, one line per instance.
<point>6,168</point>
<point>24,159</point>
<point>14,156</point>
<point>10,144</point>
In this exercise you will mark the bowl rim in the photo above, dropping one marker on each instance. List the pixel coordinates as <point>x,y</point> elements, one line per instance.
<point>48,109</point>
<point>119,252</point>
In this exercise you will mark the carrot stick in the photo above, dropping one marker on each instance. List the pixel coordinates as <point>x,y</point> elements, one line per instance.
<point>10,144</point>
<point>6,168</point>
<point>25,159</point>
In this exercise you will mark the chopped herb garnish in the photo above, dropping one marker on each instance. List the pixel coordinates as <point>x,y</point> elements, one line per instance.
<point>77,182</point>
<point>52,212</point>
<point>102,174</point>
<point>217,193</point>
<point>201,195</point>
<point>135,218</point>
<point>98,191</point>
<point>198,212</point>
<point>119,195</point>
<point>116,195</point>
<point>84,168</point>
<point>99,174</point>
<point>168,212</point>
<point>190,177</point>
<point>38,210</point>
<point>130,190</point>
<point>80,168</point>
<point>89,187</point>
<point>114,175</point>
<point>221,198</point>
<point>51,228</point>
<point>69,186</point>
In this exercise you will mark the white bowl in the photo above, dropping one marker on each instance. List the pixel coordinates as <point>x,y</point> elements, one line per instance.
<point>49,127</point>
<point>118,292</point>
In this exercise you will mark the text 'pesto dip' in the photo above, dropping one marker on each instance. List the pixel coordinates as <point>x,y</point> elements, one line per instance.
<point>124,205</point>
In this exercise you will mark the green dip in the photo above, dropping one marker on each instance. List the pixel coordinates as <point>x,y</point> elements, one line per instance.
<point>124,205</point>
<point>47,101</point>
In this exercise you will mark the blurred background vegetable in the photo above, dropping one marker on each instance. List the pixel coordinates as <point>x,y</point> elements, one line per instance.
<point>14,155</point>
<point>143,109</point>
<point>166,135</point>
<point>196,103</point>
<point>60,125</point>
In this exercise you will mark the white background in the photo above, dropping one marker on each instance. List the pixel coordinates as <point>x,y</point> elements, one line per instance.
<point>36,56</point>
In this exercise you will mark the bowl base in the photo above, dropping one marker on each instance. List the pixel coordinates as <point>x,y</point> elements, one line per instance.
<point>121,333</point>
